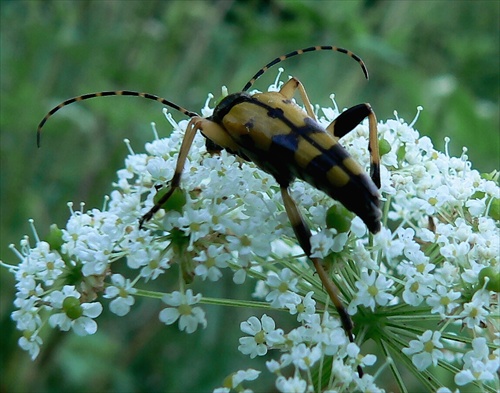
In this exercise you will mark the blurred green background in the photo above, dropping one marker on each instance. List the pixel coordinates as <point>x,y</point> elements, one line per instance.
<point>443,55</point>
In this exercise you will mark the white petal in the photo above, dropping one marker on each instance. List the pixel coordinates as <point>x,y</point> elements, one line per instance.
<point>251,326</point>
<point>169,315</point>
<point>92,310</point>
<point>84,326</point>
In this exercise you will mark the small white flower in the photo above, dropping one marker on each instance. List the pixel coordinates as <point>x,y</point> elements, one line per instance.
<point>284,288</point>
<point>342,372</point>
<point>158,169</point>
<point>358,227</point>
<point>291,385</point>
<point>416,289</point>
<point>476,371</point>
<point>479,364</point>
<point>27,318</point>
<point>307,307</point>
<point>244,375</point>
<point>156,263</point>
<point>263,335</point>
<point>49,264</point>
<point>195,223</point>
<point>426,350</point>
<point>321,243</point>
<point>189,317</point>
<point>442,300</point>
<point>273,366</point>
<point>367,384</point>
<point>210,262</point>
<point>302,356</point>
<point>75,315</point>
<point>373,289</point>
<point>474,312</point>
<point>31,344</point>
<point>391,247</point>
<point>121,292</point>
<point>353,351</point>
<point>248,244</point>
<point>239,276</point>
<point>476,206</point>
<point>328,331</point>
<point>455,252</point>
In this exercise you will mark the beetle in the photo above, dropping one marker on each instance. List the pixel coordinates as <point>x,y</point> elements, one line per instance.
<point>281,138</point>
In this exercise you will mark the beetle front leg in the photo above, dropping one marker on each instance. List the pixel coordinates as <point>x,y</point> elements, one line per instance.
<point>210,130</point>
<point>347,121</point>
<point>191,129</point>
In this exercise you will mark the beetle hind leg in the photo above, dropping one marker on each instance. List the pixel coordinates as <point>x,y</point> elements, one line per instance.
<point>347,121</point>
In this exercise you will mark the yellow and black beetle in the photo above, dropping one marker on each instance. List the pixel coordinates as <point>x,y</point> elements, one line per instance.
<point>287,142</point>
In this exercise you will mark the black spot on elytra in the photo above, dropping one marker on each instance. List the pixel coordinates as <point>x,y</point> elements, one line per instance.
<point>275,113</point>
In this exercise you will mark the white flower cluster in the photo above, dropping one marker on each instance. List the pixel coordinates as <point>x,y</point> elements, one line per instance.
<point>425,289</point>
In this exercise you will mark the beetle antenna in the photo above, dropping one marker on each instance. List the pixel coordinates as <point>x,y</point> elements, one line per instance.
<point>300,52</point>
<point>107,94</point>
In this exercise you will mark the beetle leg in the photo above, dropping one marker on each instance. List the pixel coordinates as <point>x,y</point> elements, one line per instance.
<point>347,121</point>
<point>303,234</point>
<point>210,130</point>
<point>181,160</point>
<point>373,148</point>
<point>288,90</point>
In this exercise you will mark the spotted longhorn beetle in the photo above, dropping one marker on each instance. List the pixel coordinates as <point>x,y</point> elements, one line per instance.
<point>287,142</point>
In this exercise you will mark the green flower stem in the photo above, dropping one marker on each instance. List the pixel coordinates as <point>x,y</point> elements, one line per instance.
<point>236,303</point>
<point>395,371</point>
<point>212,301</point>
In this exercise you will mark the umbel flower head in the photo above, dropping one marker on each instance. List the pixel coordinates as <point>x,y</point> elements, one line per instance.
<point>424,290</point>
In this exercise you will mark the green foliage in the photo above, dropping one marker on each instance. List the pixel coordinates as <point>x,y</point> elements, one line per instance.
<point>176,201</point>
<point>339,218</point>
<point>443,57</point>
